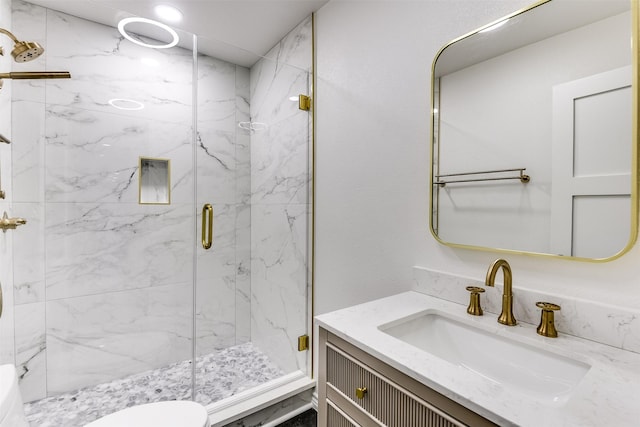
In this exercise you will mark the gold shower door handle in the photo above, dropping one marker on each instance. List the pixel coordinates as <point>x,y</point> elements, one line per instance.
<point>207,226</point>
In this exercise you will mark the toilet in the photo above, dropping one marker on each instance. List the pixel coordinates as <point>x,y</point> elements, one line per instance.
<point>159,414</point>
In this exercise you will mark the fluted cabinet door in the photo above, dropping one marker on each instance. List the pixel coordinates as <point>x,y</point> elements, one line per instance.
<point>354,388</point>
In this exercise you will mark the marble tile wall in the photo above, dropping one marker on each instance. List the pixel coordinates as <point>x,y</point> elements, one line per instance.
<point>280,199</point>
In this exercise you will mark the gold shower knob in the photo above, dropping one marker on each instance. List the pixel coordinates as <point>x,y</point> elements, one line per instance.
<point>7,223</point>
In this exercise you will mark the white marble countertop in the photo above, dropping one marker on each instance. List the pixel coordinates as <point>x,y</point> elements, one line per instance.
<point>609,394</point>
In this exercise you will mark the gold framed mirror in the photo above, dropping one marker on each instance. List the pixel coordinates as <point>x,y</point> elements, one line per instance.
<point>535,132</point>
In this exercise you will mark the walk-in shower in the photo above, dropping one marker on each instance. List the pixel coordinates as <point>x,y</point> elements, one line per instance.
<point>110,298</point>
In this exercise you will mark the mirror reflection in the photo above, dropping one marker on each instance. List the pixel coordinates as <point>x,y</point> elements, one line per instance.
<point>544,94</point>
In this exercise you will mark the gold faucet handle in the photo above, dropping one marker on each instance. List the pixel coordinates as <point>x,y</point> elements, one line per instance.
<point>548,306</point>
<point>547,328</point>
<point>474,303</point>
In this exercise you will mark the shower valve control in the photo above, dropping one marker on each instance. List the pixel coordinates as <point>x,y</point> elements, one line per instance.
<point>7,223</point>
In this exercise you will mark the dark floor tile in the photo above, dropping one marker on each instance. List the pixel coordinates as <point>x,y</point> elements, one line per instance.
<point>306,419</point>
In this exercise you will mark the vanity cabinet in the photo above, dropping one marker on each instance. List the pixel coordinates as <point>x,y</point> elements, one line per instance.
<point>356,389</point>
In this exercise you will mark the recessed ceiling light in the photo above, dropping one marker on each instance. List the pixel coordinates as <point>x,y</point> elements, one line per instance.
<point>126,21</point>
<point>168,13</point>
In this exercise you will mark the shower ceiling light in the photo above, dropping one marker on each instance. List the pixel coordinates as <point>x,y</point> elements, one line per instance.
<point>168,13</point>
<point>126,104</point>
<point>123,23</point>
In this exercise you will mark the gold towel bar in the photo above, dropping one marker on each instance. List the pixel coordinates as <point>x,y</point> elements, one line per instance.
<point>522,176</point>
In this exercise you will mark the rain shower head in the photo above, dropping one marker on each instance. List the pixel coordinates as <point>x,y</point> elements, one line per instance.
<point>26,51</point>
<point>23,51</point>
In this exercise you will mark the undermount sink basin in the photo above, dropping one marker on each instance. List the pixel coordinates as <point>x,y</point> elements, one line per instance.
<point>547,376</point>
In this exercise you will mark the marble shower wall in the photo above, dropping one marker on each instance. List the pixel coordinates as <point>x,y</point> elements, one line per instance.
<point>280,199</point>
<point>97,274</point>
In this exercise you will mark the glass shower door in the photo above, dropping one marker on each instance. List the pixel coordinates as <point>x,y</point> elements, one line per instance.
<point>254,168</point>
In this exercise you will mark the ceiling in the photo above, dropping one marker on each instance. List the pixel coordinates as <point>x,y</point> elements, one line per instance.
<point>237,31</point>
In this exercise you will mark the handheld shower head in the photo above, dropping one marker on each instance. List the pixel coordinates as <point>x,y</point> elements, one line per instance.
<point>23,51</point>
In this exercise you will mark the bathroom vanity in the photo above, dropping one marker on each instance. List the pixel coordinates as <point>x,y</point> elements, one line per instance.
<point>389,397</point>
<point>417,360</point>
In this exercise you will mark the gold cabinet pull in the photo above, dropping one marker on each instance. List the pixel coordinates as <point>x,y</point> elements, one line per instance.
<point>207,226</point>
<point>360,392</point>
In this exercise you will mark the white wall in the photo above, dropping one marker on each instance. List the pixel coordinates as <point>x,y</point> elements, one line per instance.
<point>372,134</point>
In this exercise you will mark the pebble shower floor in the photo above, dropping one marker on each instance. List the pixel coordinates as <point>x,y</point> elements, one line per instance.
<point>218,375</point>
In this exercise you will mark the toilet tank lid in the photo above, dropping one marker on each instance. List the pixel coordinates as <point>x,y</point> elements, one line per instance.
<point>159,414</point>
<point>8,389</point>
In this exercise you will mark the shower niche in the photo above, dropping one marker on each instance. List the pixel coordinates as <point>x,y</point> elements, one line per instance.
<point>155,181</point>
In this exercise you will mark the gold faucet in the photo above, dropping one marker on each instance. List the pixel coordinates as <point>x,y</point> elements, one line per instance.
<point>506,317</point>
